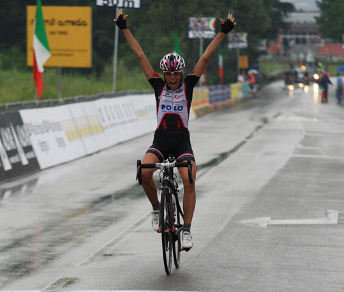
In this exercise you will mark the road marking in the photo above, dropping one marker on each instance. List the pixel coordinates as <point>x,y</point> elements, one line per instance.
<point>317,156</point>
<point>332,218</point>
<point>308,147</point>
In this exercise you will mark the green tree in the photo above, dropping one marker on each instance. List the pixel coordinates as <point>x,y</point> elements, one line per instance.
<point>153,25</point>
<point>253,18</point>
<point>277,11</point>
<point>331,20</point>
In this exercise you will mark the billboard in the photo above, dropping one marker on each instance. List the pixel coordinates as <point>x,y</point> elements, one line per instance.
<point>237,40</point>
<point>202,27</point>
<point>119,3</point>
<point>68,30</point>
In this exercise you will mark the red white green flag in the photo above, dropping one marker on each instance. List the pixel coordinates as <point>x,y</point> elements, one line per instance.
<point>41,51</point>
<point>221,65</point>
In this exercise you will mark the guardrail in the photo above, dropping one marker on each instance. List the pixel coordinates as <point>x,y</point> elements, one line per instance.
<point>19,105</point>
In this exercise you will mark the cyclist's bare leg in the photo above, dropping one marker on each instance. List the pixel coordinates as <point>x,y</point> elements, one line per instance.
<point>189,201</point>
<point>148,183</point>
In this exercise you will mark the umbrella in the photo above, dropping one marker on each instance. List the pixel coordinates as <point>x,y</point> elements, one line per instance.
<point>341,68</point>
<point>253,71</point>
<point>255,66</point>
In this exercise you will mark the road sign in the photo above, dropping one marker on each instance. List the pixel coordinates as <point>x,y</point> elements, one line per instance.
<point>237,40</point>
<point>69,32</point>
<point>119,3</point>
<point>202,27</point>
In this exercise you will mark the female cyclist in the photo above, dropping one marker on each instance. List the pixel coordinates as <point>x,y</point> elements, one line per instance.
<point>173,98</point>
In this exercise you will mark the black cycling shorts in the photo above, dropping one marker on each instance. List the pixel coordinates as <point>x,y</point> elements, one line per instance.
<point>178,145</point>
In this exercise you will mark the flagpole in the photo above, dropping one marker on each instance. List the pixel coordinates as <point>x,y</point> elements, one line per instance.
<point>59,82</point>
<point>115,55</point>
<point>200,55</point>
<point>238,61</point>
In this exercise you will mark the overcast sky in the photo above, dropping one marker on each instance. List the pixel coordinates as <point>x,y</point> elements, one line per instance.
<point>307,5</point>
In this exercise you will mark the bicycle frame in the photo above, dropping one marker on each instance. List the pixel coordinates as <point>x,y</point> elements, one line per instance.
<point>170,211</point>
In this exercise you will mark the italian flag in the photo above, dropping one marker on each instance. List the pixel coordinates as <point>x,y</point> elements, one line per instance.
<point>221,66</point>
<point>41,51</point>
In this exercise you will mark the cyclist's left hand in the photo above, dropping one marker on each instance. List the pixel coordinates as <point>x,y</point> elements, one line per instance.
<point>227,26</point>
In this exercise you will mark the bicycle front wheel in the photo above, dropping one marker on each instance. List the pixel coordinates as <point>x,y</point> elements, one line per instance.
<point>166,229</point>
<point>176,236</point>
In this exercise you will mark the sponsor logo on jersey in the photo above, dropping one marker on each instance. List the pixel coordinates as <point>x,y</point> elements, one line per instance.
<point>174,108</point>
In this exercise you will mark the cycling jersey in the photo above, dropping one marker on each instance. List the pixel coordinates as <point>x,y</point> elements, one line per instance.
<point>173,106</point>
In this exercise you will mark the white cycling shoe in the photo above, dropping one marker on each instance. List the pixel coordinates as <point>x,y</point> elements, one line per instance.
<point>186,240</point>
<point>155,219</point>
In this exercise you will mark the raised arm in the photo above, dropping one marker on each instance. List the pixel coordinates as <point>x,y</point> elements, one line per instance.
<point>134,45</point>
<point>226,27</point>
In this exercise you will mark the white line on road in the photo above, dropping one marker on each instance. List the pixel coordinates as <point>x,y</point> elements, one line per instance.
<point>332,218</point>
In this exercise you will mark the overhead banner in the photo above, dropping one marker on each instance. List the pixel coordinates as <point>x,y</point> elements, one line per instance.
<point>202,27</point>
<point>237,40</point>
<point>69,33</point>
<point>119,3</point>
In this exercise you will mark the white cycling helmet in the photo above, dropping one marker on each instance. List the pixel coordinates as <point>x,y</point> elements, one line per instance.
<point>172,63</point>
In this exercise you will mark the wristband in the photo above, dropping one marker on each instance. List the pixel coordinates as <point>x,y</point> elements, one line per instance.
<point>227,26</point>
<point>121,22</point>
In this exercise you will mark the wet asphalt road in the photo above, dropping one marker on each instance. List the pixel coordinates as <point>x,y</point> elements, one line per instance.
<point>269,214</point>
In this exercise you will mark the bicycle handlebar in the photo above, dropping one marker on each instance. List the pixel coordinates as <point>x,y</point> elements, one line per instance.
<point>162,165</point>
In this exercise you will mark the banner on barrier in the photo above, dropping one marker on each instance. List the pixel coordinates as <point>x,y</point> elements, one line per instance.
<point>200,98</point>
<point>219,94</point>
<point>48,134</point>
<point>16,152</point>
<point>87,127</point>
<point>64,133</point>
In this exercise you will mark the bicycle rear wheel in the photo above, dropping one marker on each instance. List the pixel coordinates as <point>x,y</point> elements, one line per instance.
<point>166,229</point>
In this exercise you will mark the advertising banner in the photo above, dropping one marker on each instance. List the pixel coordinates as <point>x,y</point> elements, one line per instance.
<point>237,40</point>
<point>64,133</point>
<point>146,113</point>
<point>219,94</point>
<point>202,27</point>
<point>69,33</point>
<point>89,129</point>
<point>124,118</point>
<point>53,134</point>
<point>200,100</point>
<point>236,91</point>
<point>34,139</point>
<point>16,151</point>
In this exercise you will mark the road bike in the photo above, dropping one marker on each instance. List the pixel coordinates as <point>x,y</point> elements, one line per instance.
<point>171,214</point>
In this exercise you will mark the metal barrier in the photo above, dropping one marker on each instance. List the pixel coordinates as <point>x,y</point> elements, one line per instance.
<point>19,105</point>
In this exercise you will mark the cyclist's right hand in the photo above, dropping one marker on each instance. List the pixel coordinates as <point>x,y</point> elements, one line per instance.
<point>121,21</point>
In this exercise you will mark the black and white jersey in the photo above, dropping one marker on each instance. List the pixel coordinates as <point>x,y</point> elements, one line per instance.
<point>173,106</point>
